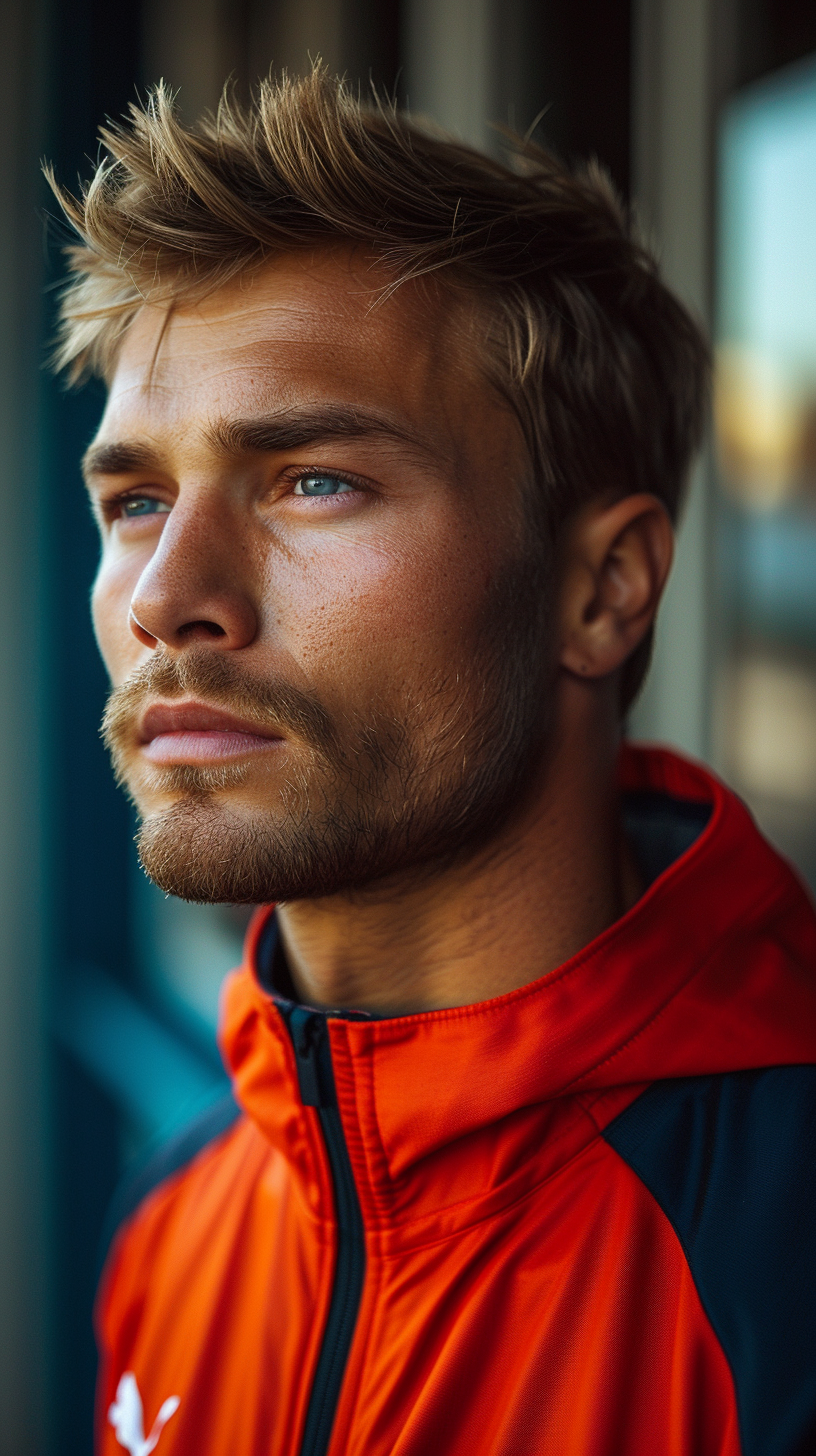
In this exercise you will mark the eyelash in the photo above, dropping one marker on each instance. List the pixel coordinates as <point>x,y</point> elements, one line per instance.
<point>295,476</point>
<point>113,509</point>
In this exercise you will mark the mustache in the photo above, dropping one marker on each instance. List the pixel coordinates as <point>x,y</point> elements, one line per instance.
<point>269,701</point>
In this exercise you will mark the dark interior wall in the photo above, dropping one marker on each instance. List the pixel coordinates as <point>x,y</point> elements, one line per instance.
<point>196,44</point>
<point>570,65</point>
<point>569,62</point>
<point>372,33</point>
<point>355,38</point>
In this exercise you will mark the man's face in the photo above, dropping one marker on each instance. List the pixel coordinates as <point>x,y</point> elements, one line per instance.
<point>319,596</point>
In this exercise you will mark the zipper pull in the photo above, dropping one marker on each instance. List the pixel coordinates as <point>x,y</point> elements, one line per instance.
<point>310,1039</point>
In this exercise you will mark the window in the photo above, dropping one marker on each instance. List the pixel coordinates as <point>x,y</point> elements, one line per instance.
<point>766,443</point>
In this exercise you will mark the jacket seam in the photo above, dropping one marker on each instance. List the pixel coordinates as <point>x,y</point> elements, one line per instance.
<point>354,1066</point>
<point>687,1260</point>
<point>452,1208</point>
<point>375,1117</point>
<point>715,951</point>
<point>531,1192</point>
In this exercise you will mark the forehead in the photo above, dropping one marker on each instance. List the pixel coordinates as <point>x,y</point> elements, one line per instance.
<point>303,328</point>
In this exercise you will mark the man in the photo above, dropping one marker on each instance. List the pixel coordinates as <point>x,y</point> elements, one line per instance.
<point>522,1161</point>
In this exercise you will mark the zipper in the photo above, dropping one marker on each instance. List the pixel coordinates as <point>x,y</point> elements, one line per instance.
<point>310,1038</point>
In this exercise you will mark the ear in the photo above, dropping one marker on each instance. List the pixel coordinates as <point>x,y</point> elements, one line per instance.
<point>616,561</point>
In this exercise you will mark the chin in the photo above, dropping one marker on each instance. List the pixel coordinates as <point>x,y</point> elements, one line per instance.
<point>208,848</point>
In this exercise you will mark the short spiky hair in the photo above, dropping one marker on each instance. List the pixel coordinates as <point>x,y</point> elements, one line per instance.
<point>605,368</point>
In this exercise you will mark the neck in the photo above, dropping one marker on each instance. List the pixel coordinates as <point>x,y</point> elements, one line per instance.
<point>553,878</point>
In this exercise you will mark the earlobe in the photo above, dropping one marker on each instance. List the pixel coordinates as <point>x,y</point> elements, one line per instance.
<point>616,561</point>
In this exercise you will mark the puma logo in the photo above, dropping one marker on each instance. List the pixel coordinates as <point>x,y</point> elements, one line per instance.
<point>127,1418</point>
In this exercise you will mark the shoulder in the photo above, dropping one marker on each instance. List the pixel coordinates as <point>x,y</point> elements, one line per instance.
<point>165,1162</point>
<point>731,1160</point>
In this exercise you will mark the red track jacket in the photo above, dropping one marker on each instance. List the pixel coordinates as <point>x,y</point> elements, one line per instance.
<point>577,1220</point>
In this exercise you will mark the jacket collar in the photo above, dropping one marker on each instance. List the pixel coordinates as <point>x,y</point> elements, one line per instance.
<point>713,970</point>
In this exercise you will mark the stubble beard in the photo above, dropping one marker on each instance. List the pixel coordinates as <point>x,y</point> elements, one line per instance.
<point>365,798</point>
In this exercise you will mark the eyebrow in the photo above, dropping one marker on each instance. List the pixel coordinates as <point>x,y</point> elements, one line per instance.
<point>289,429</point>
<point>284,430</point>
<point>120,457</point>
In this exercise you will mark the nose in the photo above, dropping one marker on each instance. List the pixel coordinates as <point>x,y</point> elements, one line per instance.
<point>196,586</point>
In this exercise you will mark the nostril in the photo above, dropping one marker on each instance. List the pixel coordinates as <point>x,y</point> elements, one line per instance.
<point>201,628</point>
<point>139,631</point>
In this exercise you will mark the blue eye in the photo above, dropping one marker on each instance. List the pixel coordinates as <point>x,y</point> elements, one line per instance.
<point>143,505</point>
<point>322,485</point>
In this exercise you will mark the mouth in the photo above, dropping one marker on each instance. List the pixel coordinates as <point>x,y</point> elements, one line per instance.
<point>196,733</point>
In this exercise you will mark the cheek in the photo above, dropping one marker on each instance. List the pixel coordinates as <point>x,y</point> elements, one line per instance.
<point>110,605</point>
<point>384,619</point>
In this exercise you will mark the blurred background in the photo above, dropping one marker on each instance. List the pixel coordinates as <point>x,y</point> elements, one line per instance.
<point>704,111</point>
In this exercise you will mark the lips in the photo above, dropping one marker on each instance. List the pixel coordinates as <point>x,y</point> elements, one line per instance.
<point>198,733</point>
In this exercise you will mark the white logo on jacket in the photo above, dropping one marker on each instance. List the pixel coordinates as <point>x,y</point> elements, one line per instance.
<point>127,1418</point>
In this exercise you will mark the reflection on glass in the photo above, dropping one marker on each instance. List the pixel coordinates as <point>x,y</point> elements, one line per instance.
<point>766,386</point>
<point>765,409</point>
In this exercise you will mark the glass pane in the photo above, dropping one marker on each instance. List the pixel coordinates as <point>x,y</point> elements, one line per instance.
<point>766,438</point>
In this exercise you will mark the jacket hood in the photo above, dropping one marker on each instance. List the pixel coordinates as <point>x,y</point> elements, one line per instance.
<point>712,970</point>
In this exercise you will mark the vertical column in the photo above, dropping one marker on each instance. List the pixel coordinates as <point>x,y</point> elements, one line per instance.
<point>23,898</point>
<point>194,45</point>
<point>672,125</point>
<point>449,66</point>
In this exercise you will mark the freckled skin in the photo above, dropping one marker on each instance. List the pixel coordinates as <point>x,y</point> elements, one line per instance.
<point>354,602</point>
<point>367,597</point>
